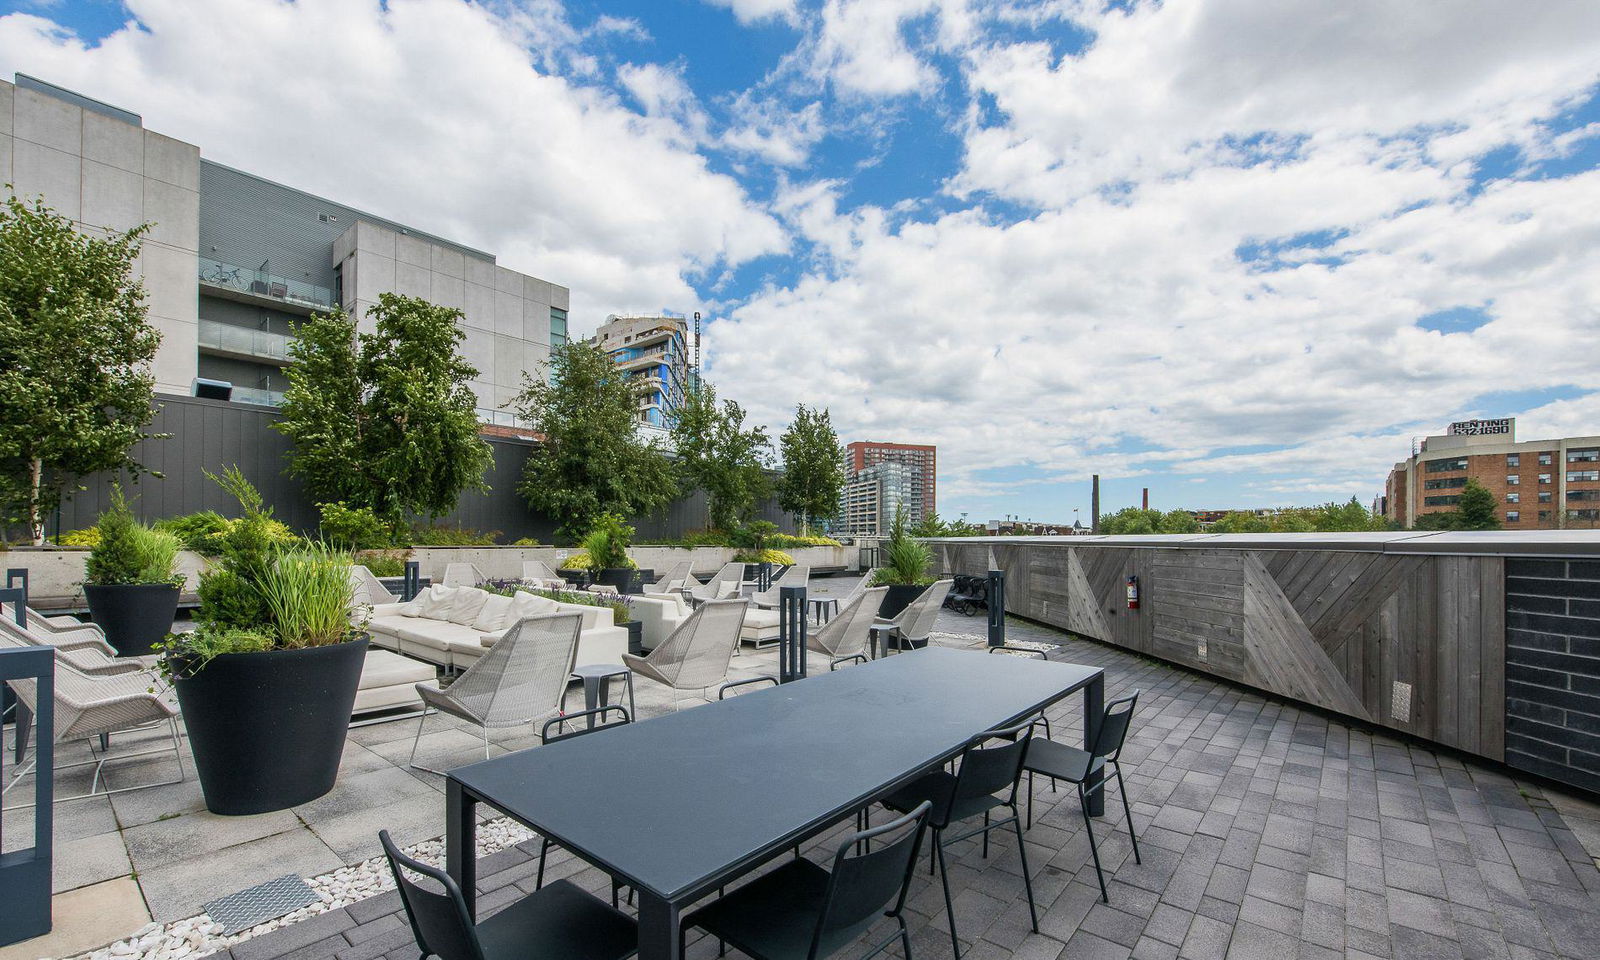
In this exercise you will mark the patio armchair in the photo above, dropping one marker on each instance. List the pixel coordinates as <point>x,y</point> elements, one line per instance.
<point>660,614</point>
<point>848,636</point>
<point>676,578</point>
<point>83,651</point>
<point>366,592</point>
<point>517,681</point>
<point>911,626</point>
<point>798,575</point>
<point>537,573</point>
<point>41,624</point>
<point>697,654</point>
<point>722,585</point>
<point>92,707</point>
<point>463,575</point>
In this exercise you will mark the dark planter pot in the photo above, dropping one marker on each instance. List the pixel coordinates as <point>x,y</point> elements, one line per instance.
<point>268,729</point>
<point>623,578</point>
<point>578,578</point>
<point>635,637</point>
<point>133,615</point>
<point>898,597</point>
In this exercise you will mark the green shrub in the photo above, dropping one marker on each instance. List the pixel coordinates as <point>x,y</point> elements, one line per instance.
<point>441,535</point>
<point>525,542</point>
<point>783,540</point>
<point>198,648</point>
<point>383,563</point>
<point>763,556</point>
<point>130,552</point>
<point>87,537</point>
<point>353,528</point>
<point>201,532</point>
<point>704,538</point>
<point>577,560</point>
<point>905,559</point>
<point>308,592</point>
<point>606,544</point>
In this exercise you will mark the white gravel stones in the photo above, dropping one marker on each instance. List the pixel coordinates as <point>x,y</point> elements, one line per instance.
<point>198,936</point>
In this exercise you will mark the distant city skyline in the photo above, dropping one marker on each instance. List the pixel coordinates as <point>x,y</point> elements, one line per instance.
<point>1051,239</point>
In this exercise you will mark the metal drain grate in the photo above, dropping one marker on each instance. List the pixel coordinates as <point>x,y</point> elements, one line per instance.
<point>257,905</point>
<point>1400,702</point>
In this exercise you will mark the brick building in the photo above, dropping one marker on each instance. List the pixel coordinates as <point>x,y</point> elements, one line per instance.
<point>1539,484</point>
<point>922,459</point>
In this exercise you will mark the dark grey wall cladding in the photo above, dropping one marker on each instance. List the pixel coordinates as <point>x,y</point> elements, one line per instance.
<point>1553,669</point>
<point>213,435</point>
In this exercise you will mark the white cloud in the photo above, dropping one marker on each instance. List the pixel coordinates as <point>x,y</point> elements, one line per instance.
<point>755,11</point>
<point>1118,315</point>
<point>437,113</point>
<point>862,46</point>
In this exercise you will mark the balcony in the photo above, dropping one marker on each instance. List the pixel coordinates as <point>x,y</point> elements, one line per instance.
<point>259,287</point>
<point>258,396</point>
<point>244,343</point>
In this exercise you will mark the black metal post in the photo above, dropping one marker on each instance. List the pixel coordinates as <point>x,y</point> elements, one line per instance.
<point>997,608</point>
<point>25,874</point>
<point>17,579</point>
<point>791,634</point>
<point>412,585</point>
<point>764,576</point>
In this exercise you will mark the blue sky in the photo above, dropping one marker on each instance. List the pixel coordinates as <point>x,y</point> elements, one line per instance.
<point>1236,251</point>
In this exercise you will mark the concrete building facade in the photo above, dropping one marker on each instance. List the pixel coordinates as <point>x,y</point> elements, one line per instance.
<point>873,495</point>
<point>1538,484</point>
<point>920,480</point>
<point>655,353</point>
<point>232,259</point>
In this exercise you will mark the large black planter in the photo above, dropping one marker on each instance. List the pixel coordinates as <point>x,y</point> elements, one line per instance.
<point>578,578</point>
<point>268,729</point>
<point>898,597</point>
<point>625,579</point>
<point>133,615</point>
<point>635,637</point>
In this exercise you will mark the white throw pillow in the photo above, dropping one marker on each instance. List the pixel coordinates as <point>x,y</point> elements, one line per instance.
<point>412,607</point>
<point>466,604</point>
<point>529,605</point>
<point>493,614</point>
<point>434,602</point>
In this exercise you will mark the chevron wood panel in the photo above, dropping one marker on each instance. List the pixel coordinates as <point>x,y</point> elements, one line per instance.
<point>1414,643</point>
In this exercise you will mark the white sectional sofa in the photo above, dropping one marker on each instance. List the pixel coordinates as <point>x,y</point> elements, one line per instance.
<point>452,626</point>
<point>660,613</point>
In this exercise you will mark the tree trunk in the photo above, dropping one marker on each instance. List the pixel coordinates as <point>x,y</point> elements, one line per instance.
<point>35,522</point>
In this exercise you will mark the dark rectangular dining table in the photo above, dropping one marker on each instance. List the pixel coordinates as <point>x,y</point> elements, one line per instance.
<point>681,804</point>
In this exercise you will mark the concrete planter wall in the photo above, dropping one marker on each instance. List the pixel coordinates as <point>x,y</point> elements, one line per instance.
<point>55,574</point>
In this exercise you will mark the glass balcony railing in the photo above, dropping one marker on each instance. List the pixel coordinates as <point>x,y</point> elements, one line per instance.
<point>259,283</point>
<point>258,396</point>
<point>243,341</point>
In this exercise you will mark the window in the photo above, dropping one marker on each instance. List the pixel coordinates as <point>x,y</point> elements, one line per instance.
<point>1512,479</point>
<point>1577,496</point>
<point>558,327</point>
<point>1447,501</point>
<point>1513,498</point>
<point>1591,455</point>
<point>1513,459</point>
<point>1444,483</point>
<point>1544,496</point>
<point>1544,459</point>
<point>1574,476</point>
<point>1512,516</point>
<point>1544,478</point>
<point>1589,515</point>
<point>1544,516</point>
<point>1441,466</point>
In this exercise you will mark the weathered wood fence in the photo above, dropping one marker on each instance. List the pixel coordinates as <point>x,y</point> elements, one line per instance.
<point>1406,630</point>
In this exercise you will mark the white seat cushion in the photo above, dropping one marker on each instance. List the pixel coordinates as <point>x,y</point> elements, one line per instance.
<point>761,619</point>
<point>464,606</point>
<point>385,669</point>
<point>492,615</point>
<point>436,634</point>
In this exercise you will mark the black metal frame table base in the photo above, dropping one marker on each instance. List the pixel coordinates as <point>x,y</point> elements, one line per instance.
<point>595,677</point>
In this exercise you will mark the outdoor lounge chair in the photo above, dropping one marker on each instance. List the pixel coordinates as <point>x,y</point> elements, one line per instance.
<point>676,578</point>
<point>463,575</point>
<point>84,651</point>
<point>798,575</point>
<point>911,627</point>
<point>848,635</point>
<point>697,654</point>
<point>722,585</point>
<point>517,681</point>
<point>537,573</point>
<point>41,624</point>
<point>367,588</point>
<point>92,707</point>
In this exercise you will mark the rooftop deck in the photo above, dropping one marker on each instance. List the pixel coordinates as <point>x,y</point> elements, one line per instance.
<point>1267,830</point>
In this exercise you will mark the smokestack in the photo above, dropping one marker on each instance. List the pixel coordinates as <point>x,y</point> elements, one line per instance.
<point>1146,505</point>
<point>1094,506</point>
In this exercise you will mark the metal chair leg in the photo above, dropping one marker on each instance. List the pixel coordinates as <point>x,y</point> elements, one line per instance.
<point>949,904</point>
<point>544,850</point>
<point>1027,881</point>
<point>1127,811</point>
<point>985,834</point>
<point>421,719</point>
<point>1030,799</point>
<point>1088,825</point>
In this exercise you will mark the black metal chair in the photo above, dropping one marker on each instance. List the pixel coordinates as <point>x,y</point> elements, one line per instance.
<point>984,773</point>
<point>969,595</point>
<point>1062,762</point>
<point>802,911</point>
<point>545,737</point>
<point>561,921</point>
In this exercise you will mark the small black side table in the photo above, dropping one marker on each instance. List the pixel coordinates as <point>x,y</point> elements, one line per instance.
<point>595,677</point>
<point>819,608</point>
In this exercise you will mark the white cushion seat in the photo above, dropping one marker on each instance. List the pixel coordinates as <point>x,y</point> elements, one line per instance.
<point>389,680</point>
<point>760,626</point>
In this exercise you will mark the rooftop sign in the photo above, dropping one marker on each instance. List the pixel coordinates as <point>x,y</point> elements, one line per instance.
<point>1482,428</point>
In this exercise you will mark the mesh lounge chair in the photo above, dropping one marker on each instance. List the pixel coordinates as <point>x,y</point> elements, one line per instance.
<point>798,575</point>
<point>367,588</point>
<point>913,624</point>
<point>537,573</point>
<point>462,575</point>
<point>847,636</point>
<point>721,586</point>
<point>42,625</point>
<point>83,651</point>
<point>517,681</point>
<point>697,654</point>
<point>92,707</point>
<point>676,578</point>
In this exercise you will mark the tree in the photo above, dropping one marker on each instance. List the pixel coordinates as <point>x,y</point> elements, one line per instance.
<point>385,420</point>
<point>1477,509</point>
<point>1179,521</point>
<point>1131,521</point>
<point>813,467</point>
<point>1239,521</point>
<point>1347,517</point>
<point>75,347</point>
<point>592,460</point>
<point>719,456</point>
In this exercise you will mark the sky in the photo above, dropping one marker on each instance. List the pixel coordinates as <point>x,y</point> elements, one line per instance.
<point>1239,252</point>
